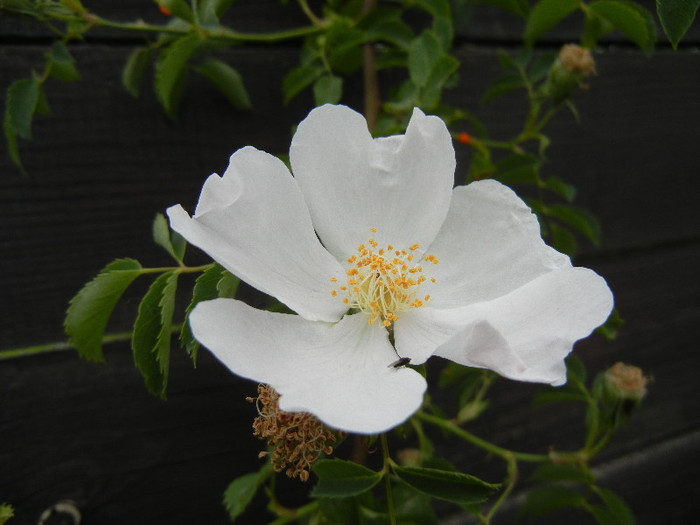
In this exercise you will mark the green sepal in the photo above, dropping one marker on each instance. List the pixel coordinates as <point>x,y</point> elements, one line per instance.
<point>227,80</point>
<point>338,479</point>
<point>676,17</point>
<point>90,309</point>
<point>150,340</point>
<point>455,487</point>
<point>172,242</point>
<point>544,15</point>
<point>240,491</point>
<point>60,63</point>
<point>134,69</point>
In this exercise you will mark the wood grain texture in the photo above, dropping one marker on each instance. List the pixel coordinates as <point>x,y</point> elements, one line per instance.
<point>103,164</point>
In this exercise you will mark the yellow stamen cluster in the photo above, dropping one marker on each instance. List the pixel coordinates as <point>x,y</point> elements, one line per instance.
<point>297,439</point>
<point>383,281</point>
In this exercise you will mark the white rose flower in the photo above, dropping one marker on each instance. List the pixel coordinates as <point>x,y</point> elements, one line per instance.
<point>381,258</point>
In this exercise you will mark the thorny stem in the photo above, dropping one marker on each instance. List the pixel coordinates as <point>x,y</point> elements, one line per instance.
<point>387,480</point>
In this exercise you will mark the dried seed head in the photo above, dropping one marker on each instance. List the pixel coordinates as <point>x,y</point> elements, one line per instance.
<point>296,439</point>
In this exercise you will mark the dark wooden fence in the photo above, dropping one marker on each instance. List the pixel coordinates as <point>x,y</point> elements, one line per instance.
<point>103,164</point>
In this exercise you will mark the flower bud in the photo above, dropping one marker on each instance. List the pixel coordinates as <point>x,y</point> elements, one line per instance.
<point>626,382</point>
<point>568,73</point>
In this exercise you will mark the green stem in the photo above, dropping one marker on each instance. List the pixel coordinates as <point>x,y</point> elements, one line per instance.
<point>178,269</point>
<point>387,480</point>
<point>474,440</point>
<point>511,480</point>
<point>55,347</point>
<point>310,14</point>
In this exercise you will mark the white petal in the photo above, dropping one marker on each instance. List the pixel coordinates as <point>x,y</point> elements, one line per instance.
<point>254,222</point>
<point>489,245</point>
<point>524,335</point>
<point>338,372</point>
<point>400,185</point>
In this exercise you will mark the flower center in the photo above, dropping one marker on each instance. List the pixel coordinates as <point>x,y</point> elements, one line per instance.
<point>382,282</point>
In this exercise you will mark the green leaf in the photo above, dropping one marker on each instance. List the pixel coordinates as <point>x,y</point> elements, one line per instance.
<point>517,7</point>
<point>298,79</point>
<point>338,479</point>
<point>616,510</point>
<point>211,10</point>
<point>676,17</point>
<point>518,169</point>
<point>563,240</point>
<point>171,72</point>
<point>443,70</point>
<point>385,24</point>
<point>227,80</point>
<point>173,243</point>
<point>61,64</point>
<point>344,46</point>
<point>442,27</point>
<point>502,85</point>
<point>562,472</point>
<point>212,283</point>
<point>89,310</point>
<point>422,55</point>
<point>6,512</point>
<point>629,18</point>
<point>594,28</point>
<point>561,188</point>
<point>610,328</point>
<point>544,15</point>
<point>549,498</point>
<point>575,369</point>
<point>178,8</point>
<point>446,485</point>
<point>581,220</point>
<point>22,98</point>
<point>150,340</point>
<point>241,491</point>
<point>437,8</point>
<point>328,90</point>
<point>134,69</point>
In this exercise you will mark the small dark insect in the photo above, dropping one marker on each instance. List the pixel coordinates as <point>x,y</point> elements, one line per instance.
<point>401,362</point>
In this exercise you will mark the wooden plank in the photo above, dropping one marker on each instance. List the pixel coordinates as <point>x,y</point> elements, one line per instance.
<point>104,164</point>
<point>484,23</point>
<point>91,433</point>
